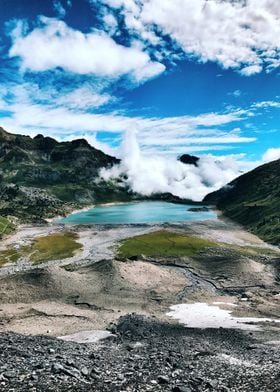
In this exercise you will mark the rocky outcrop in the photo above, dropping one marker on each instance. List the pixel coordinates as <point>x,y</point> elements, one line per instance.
<point>189,159</point>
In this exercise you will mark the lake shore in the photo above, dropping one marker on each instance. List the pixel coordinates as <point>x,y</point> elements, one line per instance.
<point>87,208</point>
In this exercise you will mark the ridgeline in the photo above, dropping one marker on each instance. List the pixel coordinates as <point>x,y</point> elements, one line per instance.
<point>41,177</point>
<point>253,200</point>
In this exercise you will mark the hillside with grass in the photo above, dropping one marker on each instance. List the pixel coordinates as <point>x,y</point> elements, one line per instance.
<point>41,177</point>
<point>253,200</point>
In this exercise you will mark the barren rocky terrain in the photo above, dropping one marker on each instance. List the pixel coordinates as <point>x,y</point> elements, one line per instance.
<point>149,350</point>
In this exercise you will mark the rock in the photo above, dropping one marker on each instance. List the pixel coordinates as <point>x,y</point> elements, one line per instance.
<point>85,371</point>
<point>58,368</point>
<point>181,389</point>
<point>163,380</point>
<point>110,367</point>
<point>203,354</point>
<point>9,374</point>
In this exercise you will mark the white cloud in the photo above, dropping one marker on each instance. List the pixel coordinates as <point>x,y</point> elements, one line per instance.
<point>68,113</point>
<point>111,23</point>
<point>62,120</point>
<point>236,93</point>
<point>74,115</point>
<point>251,70</point>
<point>267,104</point>
<point>57,45</point>
<point>58,7</point>
<point>271,154</point>
<point>242,35</point>
<point>129,5</point>
<point>169,174</point>
<point>83,98</point>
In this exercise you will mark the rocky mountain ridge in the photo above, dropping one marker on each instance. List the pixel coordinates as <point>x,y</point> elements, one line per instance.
<point>41,177</point>
<point>253,200</point>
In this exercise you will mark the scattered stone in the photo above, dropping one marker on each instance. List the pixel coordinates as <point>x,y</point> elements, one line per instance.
<point>163,380</point>
<point>169,357</point>
<point>85,371</point>
<point>181,389</point>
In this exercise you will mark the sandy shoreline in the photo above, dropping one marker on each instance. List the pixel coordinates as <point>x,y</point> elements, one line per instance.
<point>76,211</point>
<point>84,209</point>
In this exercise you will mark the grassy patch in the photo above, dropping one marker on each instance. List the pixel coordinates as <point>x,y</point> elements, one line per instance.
<point>254,251</point>
<point>9,256</point>
<point>55,246</point>
<point>6,227</point>
<point>164,243</point>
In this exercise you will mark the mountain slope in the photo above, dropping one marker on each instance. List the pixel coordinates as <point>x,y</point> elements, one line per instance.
<point>41,177</point>
<point>253,200</point>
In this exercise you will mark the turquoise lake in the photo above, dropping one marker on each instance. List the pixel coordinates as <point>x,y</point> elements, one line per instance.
<point>138,212</point>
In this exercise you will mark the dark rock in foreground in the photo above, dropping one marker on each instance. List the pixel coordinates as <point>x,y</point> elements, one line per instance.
<point>145,355</point>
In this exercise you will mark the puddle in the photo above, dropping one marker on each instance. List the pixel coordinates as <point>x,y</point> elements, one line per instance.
<point>203,315</point>
<point>86,336</point>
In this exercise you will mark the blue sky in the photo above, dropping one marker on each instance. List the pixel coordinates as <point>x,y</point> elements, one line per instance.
<point>191,76</point>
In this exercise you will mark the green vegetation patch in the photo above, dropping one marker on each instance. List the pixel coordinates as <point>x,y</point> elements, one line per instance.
<point>164,243</point>
<point>56,246</point>
<point>6,227</point>
<point>9,256</point>
<point>255,251</point>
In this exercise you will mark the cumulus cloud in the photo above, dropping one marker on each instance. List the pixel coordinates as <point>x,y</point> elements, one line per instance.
<point>58,45</point>
<point>251,70</point>
<point>154,174</point>
<point>242,35</point>
<point>271,154</point>
<point>111,23</point>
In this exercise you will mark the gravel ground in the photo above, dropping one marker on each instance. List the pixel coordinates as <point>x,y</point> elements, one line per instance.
<point>144,355</point>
